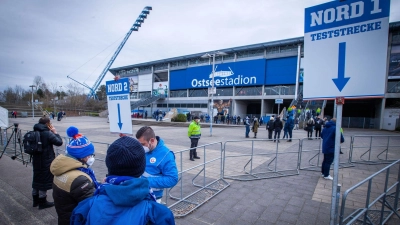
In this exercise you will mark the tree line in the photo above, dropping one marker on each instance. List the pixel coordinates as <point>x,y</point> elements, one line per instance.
<point>69,97</point>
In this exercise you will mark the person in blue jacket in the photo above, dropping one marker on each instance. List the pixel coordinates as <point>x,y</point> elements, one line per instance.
<point>328,147</point>
<point>289,126</point>
<point>161,168</point>
<point>125,197</point>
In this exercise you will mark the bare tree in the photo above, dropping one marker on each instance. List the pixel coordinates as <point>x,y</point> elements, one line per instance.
<point>38,81</point>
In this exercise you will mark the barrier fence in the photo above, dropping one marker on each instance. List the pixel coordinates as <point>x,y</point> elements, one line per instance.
<point>248,160</point>
<point>379,205</point>
<point>311,155</point>
<point>260,159</point>
<point>374,149</point>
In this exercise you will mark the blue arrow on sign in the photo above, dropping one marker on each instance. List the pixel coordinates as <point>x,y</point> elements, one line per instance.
<point>341,81</point>
<point>119,117</point>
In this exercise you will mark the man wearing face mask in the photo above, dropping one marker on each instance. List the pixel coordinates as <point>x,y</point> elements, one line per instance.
<point>194,134</point>
<point>161,170</point>
<point>74,180</point>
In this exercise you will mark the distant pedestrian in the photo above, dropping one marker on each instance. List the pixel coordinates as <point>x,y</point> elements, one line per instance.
<point>278,128</point>
<point>145,114</point>
<point>238,120</point>
<point>255,127</point>
<point>194,133</point>
<point>318,127</point>
<point>270,127</point>
<point>289,127</point>
<point>296,123</point>
<point>310,127</point>
<point>328,136</point>
<point>246,122</point>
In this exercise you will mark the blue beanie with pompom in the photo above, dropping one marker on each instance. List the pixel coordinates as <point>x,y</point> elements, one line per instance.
<point>79,147</point>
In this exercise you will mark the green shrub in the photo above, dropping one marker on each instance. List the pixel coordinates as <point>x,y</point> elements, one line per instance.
<point>180,118</point>
<point>93,114</point>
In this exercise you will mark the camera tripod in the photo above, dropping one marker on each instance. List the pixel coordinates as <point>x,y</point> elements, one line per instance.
<point>17,139</point>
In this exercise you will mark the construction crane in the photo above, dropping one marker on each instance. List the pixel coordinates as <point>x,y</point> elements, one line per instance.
<point>135,27</point>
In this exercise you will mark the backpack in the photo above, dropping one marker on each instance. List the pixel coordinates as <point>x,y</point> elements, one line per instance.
<point>32,143</point>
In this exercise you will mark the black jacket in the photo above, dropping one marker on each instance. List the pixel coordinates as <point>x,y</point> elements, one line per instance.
<point>278,125</point>
<point>42,177</point>
<point>270,125</point>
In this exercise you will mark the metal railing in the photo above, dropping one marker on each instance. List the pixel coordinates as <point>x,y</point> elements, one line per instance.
<point>374,149</point>
<point>199,183</point>
<point>378,209</point>
<point>311,152</point>
<point>261,159</point>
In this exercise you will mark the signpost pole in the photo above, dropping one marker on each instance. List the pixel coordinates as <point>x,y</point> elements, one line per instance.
<point>335,195</point>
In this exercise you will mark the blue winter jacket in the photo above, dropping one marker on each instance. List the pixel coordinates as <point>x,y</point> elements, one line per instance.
<point>328,138</point>
<point>161,168</point>
<point>289,123</point>
<point>126,203</point>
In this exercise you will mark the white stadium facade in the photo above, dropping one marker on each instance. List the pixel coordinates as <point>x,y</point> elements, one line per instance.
<point>250,78</point>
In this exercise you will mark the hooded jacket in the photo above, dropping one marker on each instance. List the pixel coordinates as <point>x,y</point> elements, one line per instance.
<point>42,177</point>
<point>161,170</point>
<point>70,186</point>
<point>328,135</point>
<point>126,203</point>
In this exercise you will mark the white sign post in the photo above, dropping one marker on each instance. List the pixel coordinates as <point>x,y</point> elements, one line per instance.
<point>119,106</point>
<point>345,47</point>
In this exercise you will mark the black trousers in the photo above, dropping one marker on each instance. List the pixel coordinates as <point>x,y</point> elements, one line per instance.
<point>317,132</point>
<point>193,143</point>
<point>270,134</point>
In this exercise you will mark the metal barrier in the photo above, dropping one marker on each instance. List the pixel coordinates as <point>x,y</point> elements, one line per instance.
<point>311,150</point>
<point>259,159</point>
<point>197,184</point>
<point>374,149</point>
<point>377,209</point>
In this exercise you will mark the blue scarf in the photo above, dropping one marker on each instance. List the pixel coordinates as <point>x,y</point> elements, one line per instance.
<point>90,172</point>
<point>116,180</point>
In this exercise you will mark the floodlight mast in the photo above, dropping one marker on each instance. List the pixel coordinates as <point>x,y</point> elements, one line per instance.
<point>135,27</point>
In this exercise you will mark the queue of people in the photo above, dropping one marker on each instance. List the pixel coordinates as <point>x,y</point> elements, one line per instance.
<point>138,171</point>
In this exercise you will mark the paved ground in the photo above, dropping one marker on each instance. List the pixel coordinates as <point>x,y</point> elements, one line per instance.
<point>301,198</point>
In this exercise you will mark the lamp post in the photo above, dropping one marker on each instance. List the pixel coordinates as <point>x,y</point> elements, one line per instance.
<point>60,92</point>
<point>33,110</point>
<point>212,55</point>
<point>54,102</point>
<point>279,93</point>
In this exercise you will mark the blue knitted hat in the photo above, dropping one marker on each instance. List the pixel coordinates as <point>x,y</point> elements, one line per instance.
<point>79,146</point>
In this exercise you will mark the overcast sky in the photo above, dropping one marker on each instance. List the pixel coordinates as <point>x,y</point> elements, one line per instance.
<point>53,39</point>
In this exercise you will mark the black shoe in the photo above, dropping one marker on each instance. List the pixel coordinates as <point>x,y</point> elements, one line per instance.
<point>274,140</point>
<point>289,141</point>
<point>43,203</point>
<point>191,159</point>
<point>196,157</point>
<point>341,152</point>
<point>35,200</point>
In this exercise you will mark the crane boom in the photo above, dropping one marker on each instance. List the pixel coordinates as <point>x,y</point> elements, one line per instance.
<point>135,27</point>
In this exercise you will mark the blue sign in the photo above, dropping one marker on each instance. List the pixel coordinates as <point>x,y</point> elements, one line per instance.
<point>118,87</point>
<point>281,71</point>
<point>245,73</point>
<point>345,49</point>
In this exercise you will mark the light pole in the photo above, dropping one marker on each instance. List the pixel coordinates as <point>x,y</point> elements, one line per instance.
<point>60,92</point>
<point>212,55</point>
<point>33,110</point>
<point>279,93</point>
<point>54,102</point>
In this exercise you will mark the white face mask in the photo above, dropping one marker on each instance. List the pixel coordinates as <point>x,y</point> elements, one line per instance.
<point>90,161</point>
<point>146,149</point>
